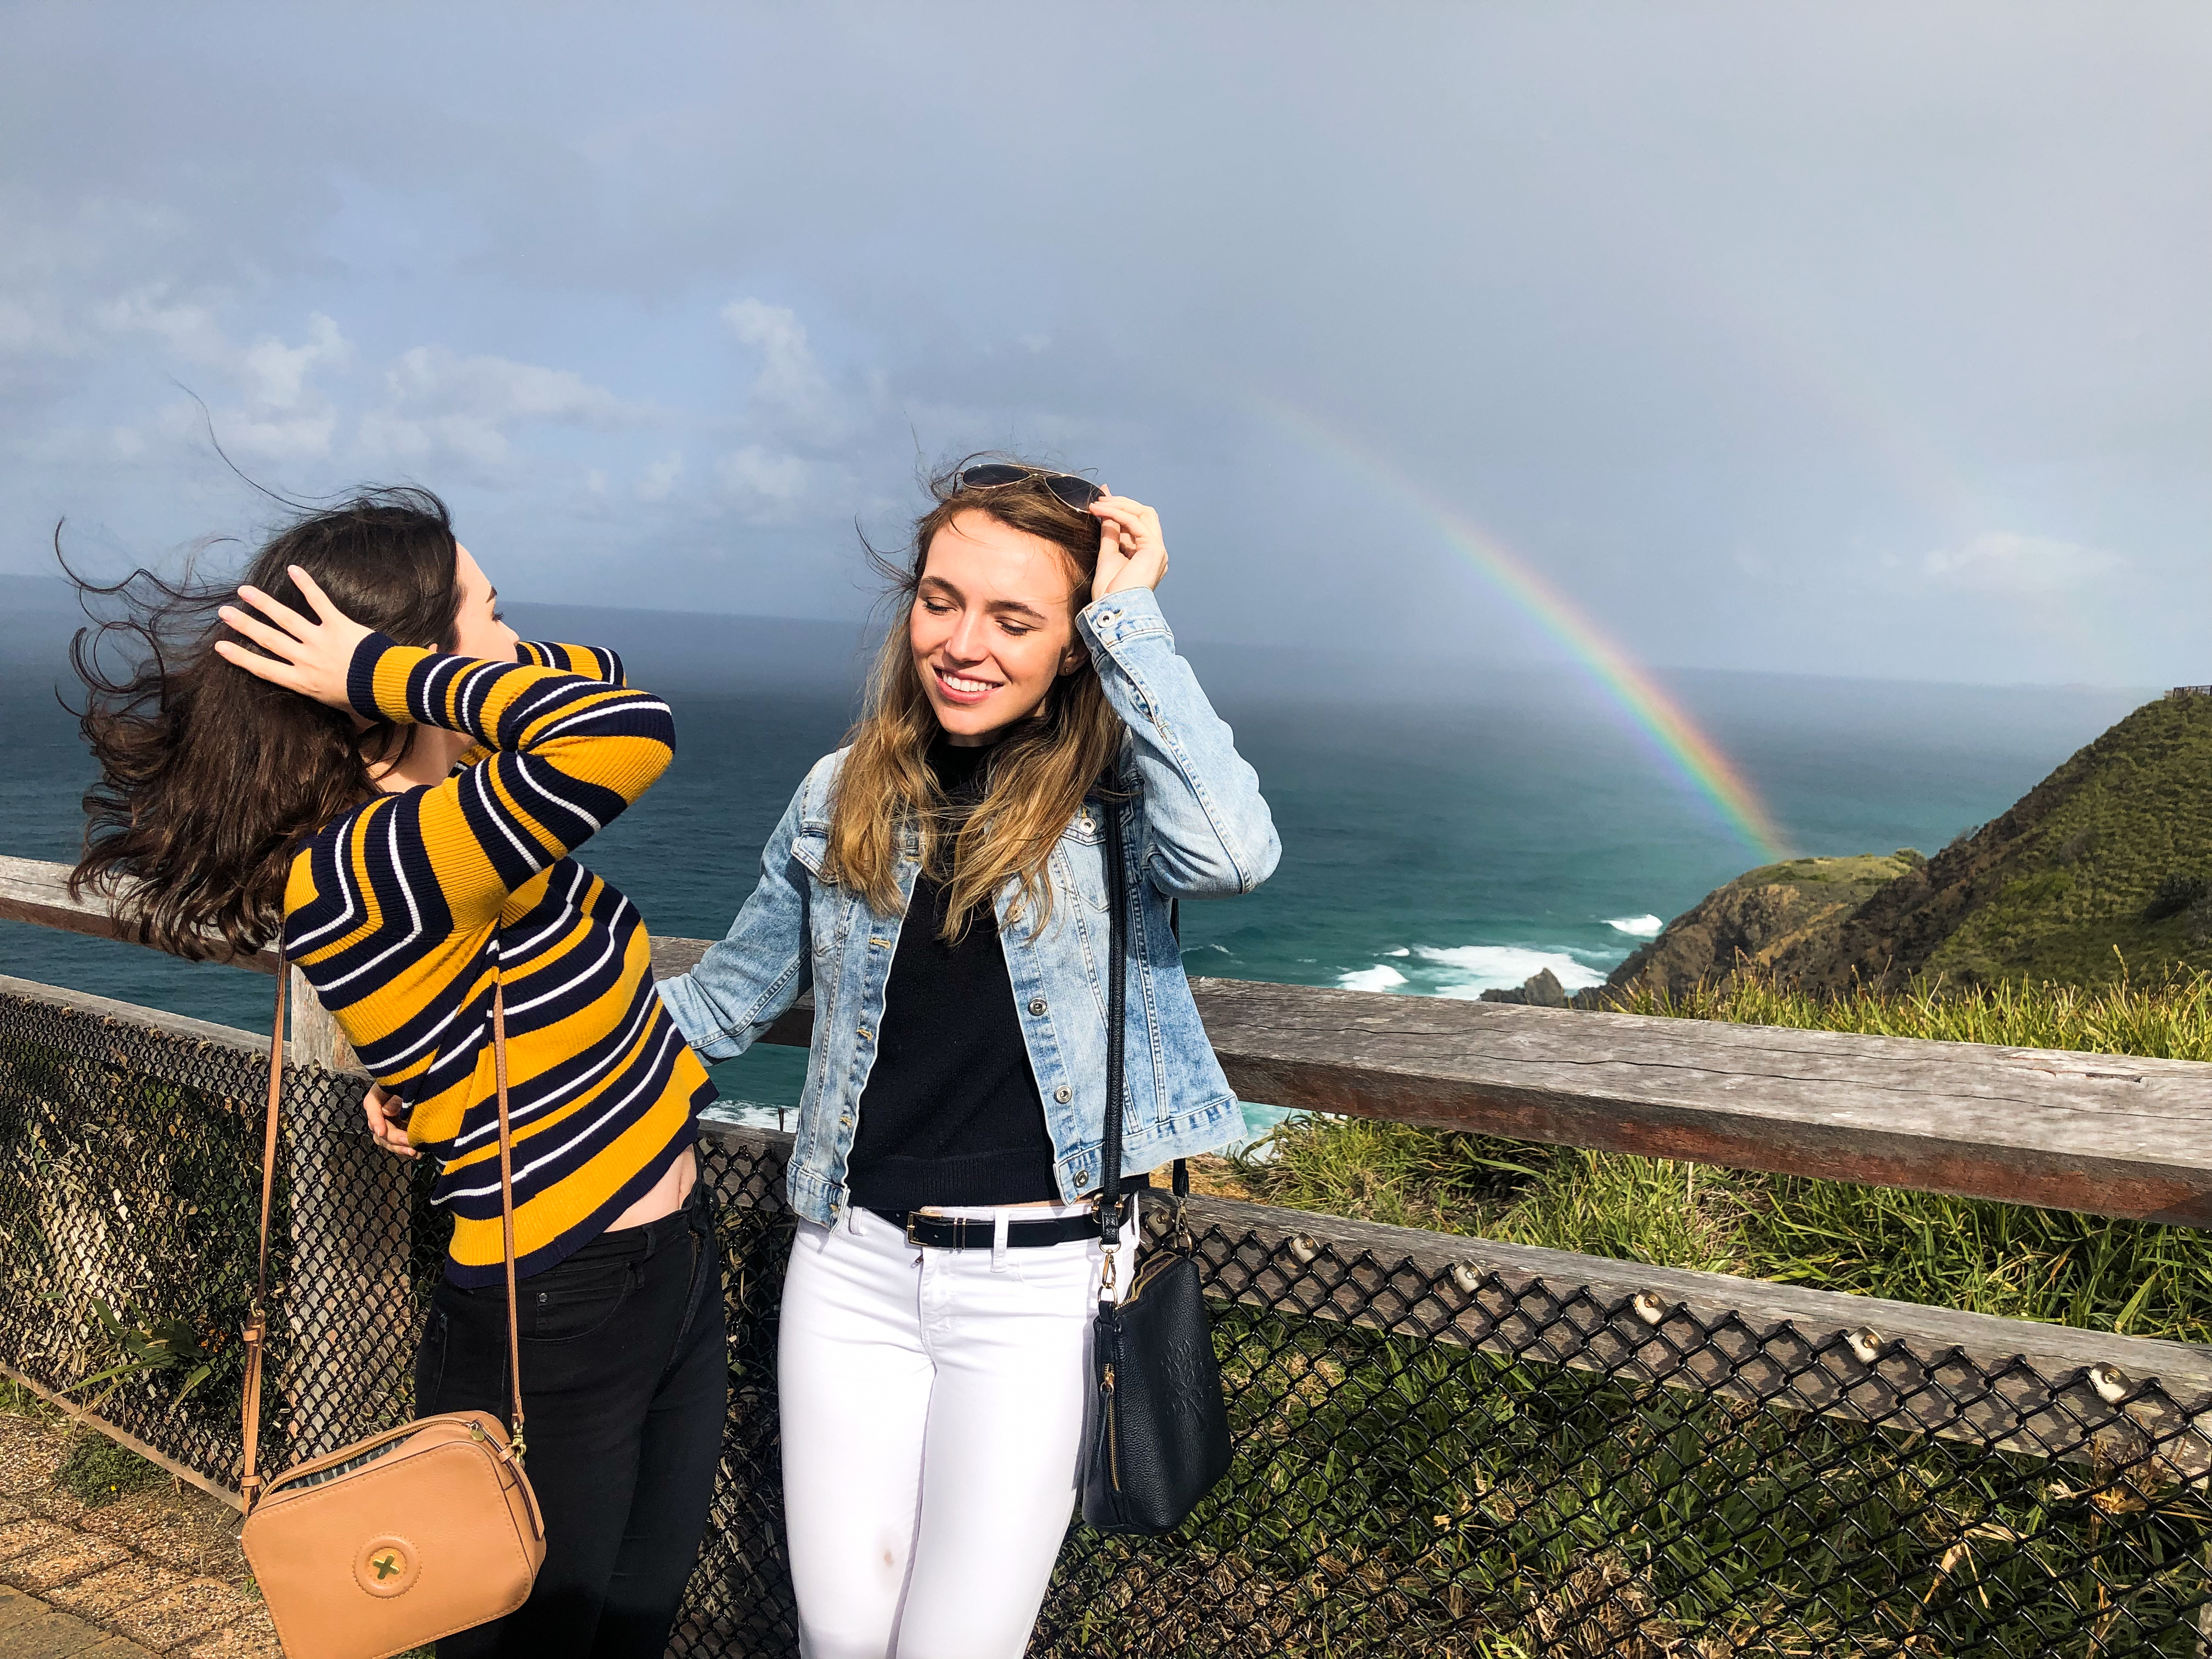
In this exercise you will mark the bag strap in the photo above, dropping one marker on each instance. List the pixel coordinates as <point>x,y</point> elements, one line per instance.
<point>1117,1011</point>
<point>506,1213</point>
<point>257,1319</point>
<point>257,1315</point>
<point>1180,1182</point>
<point>1117,1018</point>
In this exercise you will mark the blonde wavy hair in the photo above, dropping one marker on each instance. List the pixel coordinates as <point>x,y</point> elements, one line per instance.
<point>1037,774</point>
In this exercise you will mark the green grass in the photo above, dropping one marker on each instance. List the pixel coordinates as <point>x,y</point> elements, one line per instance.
<point>1985,1257</point>
<point>96,1471</point>
<point>2081,858</point>
<point>16,1400</point>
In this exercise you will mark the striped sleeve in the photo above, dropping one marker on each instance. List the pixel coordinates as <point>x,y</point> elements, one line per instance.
<point>568,751</point>
<point>591,661</point>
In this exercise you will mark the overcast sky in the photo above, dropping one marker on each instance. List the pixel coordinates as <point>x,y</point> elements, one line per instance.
<point>1864,340</point>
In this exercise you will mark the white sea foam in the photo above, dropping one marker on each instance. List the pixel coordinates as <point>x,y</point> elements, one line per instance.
<point>1469,970</point>
<point>1401,952</point>
<point>1380,977</point>
<point>1636,926</point>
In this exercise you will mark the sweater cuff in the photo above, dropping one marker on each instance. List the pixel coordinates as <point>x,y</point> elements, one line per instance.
<point>361,676</point>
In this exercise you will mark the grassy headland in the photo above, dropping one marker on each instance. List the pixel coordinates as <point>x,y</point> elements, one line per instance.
<point>1982,1256</point>
<point>2103,869</point>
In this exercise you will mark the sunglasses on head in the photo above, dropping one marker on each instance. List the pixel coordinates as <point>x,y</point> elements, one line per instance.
<point>1078,493</point>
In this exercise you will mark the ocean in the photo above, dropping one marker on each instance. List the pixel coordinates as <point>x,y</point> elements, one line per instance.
<point>1444,830</point>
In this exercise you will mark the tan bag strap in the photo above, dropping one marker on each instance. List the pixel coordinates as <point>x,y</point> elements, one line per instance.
<point>257,1319</point>
<point>506,1206</point>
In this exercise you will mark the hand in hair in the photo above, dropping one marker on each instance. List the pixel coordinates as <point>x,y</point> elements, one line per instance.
<point>376,1105</point>
<point>1131,552</point>
<point>311,657</point>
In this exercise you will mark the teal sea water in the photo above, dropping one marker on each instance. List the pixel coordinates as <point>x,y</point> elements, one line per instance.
<point>1433,844</point>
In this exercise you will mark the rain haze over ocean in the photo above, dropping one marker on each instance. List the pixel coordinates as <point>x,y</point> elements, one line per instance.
<point>1602,448</point>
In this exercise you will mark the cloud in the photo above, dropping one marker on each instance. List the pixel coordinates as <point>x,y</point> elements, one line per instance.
<point>280,413</point>
<point>763,478</point>
<point>187,328</point>
<point>2002,562</point>
<point>440,406</point>
<point>32,325</point>
<point>276,374</point>
<point>790,388</point>
<point>659,480</point>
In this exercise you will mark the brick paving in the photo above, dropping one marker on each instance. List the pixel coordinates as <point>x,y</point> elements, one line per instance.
<point>156,1575</point>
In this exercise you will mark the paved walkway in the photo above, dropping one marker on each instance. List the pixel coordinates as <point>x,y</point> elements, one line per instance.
<point>157,1573</point>
<point>31,1629</point>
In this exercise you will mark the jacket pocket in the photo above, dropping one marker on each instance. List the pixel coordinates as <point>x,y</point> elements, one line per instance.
<point>1080,865</point>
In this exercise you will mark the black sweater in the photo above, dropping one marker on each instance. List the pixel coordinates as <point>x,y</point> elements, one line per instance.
<point>950,1115</point>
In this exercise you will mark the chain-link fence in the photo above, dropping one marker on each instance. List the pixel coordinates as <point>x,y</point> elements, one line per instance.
<point>1445,1447</point>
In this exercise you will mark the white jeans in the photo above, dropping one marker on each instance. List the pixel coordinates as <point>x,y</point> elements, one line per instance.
<point>933,1406</point>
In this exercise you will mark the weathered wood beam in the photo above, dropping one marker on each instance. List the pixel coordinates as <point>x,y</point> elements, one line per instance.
<point>2107,1135</point>
<point>2111,1136</point>
<point>36,890</point>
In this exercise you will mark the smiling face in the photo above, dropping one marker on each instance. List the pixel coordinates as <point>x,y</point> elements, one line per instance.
<point>992,625</point>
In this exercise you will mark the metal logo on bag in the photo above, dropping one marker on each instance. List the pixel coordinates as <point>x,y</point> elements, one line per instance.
<point>386,1566</point>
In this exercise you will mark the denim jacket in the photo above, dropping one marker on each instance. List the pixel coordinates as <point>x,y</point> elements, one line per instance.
<point>1194,826</point>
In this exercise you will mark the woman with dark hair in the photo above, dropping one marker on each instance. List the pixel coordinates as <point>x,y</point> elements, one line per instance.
<point>941,884</point>
<point>359,758</point>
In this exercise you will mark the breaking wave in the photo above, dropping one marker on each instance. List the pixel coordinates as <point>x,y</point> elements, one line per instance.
<point>1466,971</point>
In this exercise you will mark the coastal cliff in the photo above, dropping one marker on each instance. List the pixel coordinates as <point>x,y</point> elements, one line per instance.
<point>1775,910</point>
<point>2103,870</point>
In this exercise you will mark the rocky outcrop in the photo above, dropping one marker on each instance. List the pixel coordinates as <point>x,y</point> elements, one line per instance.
<point>1541,989</point>
<point>1754,921</point>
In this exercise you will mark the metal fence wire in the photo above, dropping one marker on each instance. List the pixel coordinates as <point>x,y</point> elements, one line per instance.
<point>1433,1457</point>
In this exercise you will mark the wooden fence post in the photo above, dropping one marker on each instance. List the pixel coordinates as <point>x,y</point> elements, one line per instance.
<point>348,1299</point>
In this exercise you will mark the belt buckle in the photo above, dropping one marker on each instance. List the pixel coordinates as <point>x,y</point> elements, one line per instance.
<point>913,1216</point>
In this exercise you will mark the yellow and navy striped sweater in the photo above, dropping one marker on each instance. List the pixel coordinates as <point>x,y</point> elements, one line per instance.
<point>400,913</point>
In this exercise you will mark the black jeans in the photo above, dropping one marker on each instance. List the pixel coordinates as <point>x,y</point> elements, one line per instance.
<point>624,1380</point>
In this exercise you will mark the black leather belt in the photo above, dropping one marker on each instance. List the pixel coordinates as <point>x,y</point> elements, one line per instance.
<point>963,1232</point>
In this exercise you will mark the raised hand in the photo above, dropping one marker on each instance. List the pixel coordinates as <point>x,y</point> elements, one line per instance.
<point>1131,553</point>
<point>311,657</point>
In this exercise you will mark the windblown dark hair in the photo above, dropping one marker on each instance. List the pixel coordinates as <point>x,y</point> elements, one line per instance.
<point>210,778</point>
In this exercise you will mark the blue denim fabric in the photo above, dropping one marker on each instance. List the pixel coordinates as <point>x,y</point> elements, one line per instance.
<point>1194,826</point>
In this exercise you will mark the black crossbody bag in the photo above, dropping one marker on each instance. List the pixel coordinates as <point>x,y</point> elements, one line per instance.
<point>1158,1435</point>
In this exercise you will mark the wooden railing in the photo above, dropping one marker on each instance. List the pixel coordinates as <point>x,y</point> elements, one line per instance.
<point>2108,1135</point>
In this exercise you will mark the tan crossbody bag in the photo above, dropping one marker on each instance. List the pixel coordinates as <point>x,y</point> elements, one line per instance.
<point>409,1536</point>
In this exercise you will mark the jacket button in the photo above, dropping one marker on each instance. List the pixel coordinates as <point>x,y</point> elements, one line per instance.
<point>1082,1178</point>
<point>844,1122</point>
<point>1063,1093</point>
<point>1037,1004</point>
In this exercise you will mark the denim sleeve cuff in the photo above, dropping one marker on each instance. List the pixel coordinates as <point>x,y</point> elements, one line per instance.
<point>682,1001</point>
<point>1132,614</point>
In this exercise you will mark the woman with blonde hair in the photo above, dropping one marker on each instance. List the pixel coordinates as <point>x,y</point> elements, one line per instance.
<point>941,885</point>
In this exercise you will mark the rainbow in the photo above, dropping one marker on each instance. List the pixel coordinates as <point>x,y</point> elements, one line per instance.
<point>1680,745</point>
